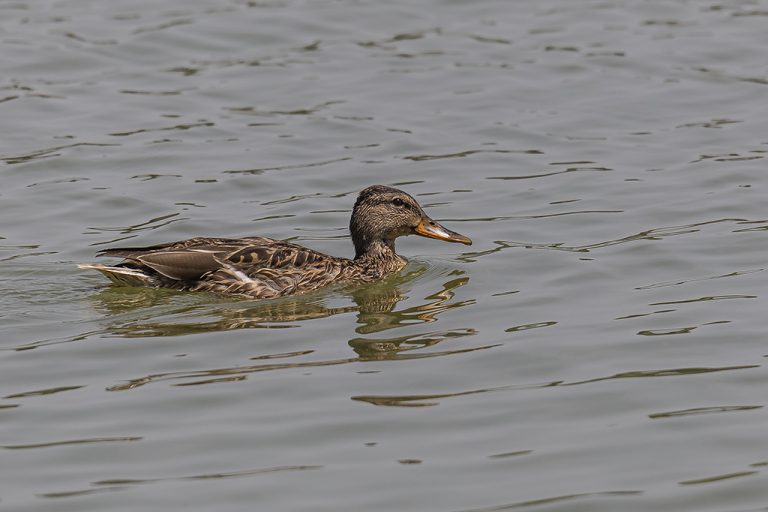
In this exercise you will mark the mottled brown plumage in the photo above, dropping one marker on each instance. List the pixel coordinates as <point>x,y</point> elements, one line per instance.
<point>259,267</point>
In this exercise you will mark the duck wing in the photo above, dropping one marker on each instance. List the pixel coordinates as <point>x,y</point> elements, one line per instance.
<point>279,269</point>
<point>199,244</point>
<point>252,266</point>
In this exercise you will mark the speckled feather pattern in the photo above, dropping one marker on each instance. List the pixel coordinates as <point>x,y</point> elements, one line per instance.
<point>260,267</point>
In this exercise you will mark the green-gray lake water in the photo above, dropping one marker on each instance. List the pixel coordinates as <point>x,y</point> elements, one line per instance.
<point>599,348</point>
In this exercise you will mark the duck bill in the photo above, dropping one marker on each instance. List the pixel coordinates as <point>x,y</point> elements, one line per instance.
<point>431,229</point>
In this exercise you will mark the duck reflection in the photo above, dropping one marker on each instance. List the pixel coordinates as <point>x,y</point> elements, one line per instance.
<point>149,312</point>
<point>143,312</point>
<point>139,312</point>
<point>374,320</point>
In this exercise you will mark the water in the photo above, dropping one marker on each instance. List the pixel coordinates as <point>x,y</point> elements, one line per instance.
<point>598,348</point>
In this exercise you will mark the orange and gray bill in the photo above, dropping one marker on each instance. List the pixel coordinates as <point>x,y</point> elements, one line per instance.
<point>431,229</point>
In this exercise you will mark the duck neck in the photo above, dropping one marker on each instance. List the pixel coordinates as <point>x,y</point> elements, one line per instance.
<point>379,255</point>
<point>375,250</point>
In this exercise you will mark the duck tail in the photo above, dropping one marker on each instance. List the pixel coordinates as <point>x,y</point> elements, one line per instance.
<point>123,275</point>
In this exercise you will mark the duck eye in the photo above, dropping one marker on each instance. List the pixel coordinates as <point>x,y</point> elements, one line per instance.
<point>398,202</point>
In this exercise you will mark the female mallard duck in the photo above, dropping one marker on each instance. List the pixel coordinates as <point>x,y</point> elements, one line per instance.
<point>260,268</point>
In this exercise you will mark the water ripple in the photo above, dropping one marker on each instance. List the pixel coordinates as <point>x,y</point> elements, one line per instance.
<point>260,170</point>
<point>703,410</point>
<point>462,154</point>
<point>49,152</point>
<point>549,173</point>
<point>697,279</point>
<point>555,499</point>
<point>718,478</point>
<point>429,400</point>
<point>182,127</point>
<point>302,111</point>
<point>672,372</point>
<point>654,234</point>
<point>43,392</point>
<point>114,484</point>
<point>237,373</point>
<point>153,223</point>
<point>68,442</point>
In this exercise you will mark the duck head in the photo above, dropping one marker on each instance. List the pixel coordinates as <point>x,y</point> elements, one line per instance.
<point>381,214</point>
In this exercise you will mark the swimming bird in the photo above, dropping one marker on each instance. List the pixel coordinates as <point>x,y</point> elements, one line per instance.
<point>259,267</point>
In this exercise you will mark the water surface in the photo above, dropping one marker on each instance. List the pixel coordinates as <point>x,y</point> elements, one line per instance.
<point>598,348</point>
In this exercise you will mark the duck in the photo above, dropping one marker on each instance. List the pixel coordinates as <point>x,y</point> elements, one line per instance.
<point>257,267</point>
